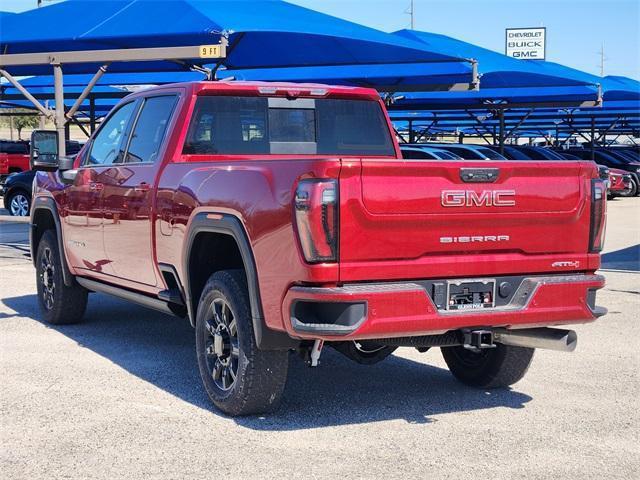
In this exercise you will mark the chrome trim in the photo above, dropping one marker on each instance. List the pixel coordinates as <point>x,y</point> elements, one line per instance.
<point>526,291</point>
<point>520,300</point>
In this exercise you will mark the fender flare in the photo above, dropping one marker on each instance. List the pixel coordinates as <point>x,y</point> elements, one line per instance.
<point>48,203</point>
<point>266,338</point>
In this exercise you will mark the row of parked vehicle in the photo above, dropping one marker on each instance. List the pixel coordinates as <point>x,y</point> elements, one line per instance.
<point>618,165</point>
<point>16,177</point>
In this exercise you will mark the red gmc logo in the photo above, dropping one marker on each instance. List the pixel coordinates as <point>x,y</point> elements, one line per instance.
<point>485,198</point>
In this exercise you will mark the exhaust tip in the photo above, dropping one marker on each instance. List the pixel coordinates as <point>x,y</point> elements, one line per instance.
<point>544,338</point>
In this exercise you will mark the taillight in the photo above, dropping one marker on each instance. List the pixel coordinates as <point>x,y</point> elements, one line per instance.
<point>316,210</point>
<point>598,215</point>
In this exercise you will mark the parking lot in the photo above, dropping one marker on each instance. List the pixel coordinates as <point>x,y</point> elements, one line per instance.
<point>120,397</point>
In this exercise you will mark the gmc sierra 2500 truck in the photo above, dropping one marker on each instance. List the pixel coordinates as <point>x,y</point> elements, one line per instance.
<point>282,217</point>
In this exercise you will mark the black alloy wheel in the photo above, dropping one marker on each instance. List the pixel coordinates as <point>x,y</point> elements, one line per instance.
<point>222,345</point>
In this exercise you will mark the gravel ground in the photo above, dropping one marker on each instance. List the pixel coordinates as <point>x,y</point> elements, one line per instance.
<point>120,397</point>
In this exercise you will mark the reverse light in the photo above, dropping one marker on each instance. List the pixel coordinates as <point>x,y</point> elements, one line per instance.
<point>598,215</point>
<point>316,211</point>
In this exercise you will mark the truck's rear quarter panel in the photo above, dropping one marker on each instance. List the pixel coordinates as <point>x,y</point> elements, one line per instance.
<point>260,193</point>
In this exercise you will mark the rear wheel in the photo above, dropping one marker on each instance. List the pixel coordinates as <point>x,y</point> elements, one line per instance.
<point>59,303</point>
<point>239,378</point>
<point>496,367</point>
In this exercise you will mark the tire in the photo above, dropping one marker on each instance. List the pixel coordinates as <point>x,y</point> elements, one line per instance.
<point>59,304</point>
<point>19,203</point>
<point>497,367</point>
<point>632,191</point>
<point>239,378</point>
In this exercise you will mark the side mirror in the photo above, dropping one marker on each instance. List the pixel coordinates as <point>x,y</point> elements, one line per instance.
<point>43,152</point>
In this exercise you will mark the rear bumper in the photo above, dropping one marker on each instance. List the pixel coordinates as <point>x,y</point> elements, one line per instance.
<point>387,310</point>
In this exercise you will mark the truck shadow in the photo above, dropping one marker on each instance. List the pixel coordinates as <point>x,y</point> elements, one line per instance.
<point>627,259</point>
<point>160,350</point>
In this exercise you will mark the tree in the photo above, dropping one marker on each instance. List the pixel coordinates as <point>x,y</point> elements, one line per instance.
<point>25,121</point>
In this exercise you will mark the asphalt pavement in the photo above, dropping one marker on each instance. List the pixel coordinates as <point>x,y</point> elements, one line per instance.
<point>119,396</point>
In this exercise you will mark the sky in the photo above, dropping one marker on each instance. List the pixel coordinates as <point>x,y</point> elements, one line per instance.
<point>576,29</point>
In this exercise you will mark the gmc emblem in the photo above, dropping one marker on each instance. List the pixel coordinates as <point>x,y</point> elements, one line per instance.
<point>470,198</point>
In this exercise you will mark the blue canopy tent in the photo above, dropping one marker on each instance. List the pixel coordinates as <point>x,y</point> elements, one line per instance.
<point>498,70</point>
<point>383,77</point>
<point>175,35</point>
<point>259,33</point>
<point>505,81</point>
<point>621,103</point>
<point>522,94</point>
<point>592,124</point>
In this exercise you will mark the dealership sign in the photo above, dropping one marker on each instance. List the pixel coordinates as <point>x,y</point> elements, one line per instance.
<point>526,43</point>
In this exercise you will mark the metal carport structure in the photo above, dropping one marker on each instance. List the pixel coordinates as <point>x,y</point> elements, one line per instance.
<point>507,84</point>
<point>128,36</point>
<point>618,114</point>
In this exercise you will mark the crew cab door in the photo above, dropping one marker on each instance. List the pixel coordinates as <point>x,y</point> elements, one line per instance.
<point>83,213</point>
<point>128,192</point>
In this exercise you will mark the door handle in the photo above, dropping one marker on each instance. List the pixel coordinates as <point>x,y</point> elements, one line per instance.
<point>96,186</point>
<point>142,187</point>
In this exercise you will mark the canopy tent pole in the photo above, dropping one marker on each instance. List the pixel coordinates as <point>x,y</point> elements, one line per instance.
<point>404,140</point>
<point>501,131</point>
<point>612,141</point>
<point>80,126</point>
<point>24,92</point>
<point>482,134</point>
<point>67,132</point>
<point>608,129</point>
<point>475,77</point>
<point>412,138</point>
<point>593,138</point>
<point>92,114</point>
<point>60,119</point>
<point>425,130</point>
<point>522,120</point>
<point>87,90</point>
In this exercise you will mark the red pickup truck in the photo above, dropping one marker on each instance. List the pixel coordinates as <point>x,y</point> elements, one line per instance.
<point>278,217</point>
<point>17,155</point>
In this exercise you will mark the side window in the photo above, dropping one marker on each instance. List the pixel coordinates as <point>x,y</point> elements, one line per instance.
<point>106,148</point>
<point>228,125</point>
<point>150,129</point>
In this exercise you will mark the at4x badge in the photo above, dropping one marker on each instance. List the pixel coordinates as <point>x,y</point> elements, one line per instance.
<point>567,264</point>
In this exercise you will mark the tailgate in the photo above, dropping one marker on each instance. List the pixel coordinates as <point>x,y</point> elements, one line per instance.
<point>421,219</point>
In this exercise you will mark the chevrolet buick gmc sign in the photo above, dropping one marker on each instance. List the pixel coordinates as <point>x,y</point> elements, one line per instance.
<point>526,43</point>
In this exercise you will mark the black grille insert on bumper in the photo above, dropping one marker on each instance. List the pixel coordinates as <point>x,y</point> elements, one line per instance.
<point>333,318</point>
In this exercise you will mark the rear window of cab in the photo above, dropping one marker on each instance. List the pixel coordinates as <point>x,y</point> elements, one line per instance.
<point>236,125</point>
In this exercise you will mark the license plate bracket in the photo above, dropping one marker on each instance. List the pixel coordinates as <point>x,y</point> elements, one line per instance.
<point>467,295</point>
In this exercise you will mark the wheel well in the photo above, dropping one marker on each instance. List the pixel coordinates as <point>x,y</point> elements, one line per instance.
<point>210,253</point>
<point>42,221</point>
<point>13,191</point>
<point>14,170</point>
